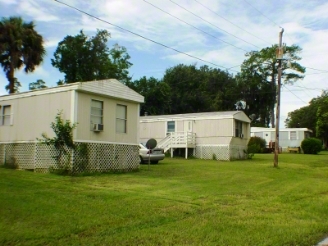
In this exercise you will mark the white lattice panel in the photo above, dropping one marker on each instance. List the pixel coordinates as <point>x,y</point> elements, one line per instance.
<point>221,152</point>
<point>20,154</point>
<point>46,157</point>
<point>2,154</point>
<point>93,157</point>
<point>102,157</point>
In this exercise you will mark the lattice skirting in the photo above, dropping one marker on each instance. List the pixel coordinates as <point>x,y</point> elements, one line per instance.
<point>87,157</point>
<point>220,152</point>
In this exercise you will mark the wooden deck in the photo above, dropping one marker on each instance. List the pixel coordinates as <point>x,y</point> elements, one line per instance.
<point>176,140</point>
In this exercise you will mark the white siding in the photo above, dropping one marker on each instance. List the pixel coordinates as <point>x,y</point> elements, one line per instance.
<point>155,130</point>
<point>284,135</point>
<point>33,116</point>
<point>109,134</point>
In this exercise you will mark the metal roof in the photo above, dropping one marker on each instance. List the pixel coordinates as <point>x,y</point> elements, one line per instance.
<point>194,116</point>
<point>107,87</point>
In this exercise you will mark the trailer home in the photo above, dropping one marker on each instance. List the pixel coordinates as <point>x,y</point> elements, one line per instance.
<point>107,117</point>
<point>211,135</point>
<point>288,137</point>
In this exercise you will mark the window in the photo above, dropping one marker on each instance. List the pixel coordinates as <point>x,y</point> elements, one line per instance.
<point>171,126</point>
<point>121,118</point>
<point>5,113</point>
<point>293,135</point>
<point>97,108</point>
<point>238,128</point>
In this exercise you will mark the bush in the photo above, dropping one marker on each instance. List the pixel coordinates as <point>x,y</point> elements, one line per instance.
<point>311,146</point>
<point>256,145</point>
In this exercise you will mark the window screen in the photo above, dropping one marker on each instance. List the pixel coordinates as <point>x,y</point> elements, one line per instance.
<point>121,118</point>
<point>96,112</point>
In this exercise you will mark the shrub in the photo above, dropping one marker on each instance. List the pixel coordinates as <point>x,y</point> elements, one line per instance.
<point>311,146</point>
<point>256,145</point>
<point>249,153</point>
<point>63,141</point>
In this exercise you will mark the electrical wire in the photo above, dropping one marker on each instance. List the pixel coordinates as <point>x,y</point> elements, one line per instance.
<point>294,94</point>
<point>267,18</point>
<point>249,32</point>
<point>262,14</point>
<point>213,24</point>
<point>138,35</point>
<point>306,88</point>
<point>326,71</point>
<point>314,73</point>
<point>194,26</point>
<point>168,47</point>
<point>232,22</point>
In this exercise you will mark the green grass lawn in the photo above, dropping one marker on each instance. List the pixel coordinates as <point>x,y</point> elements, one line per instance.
<point>177,202</point>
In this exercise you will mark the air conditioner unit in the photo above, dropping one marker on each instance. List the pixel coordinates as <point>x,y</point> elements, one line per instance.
<point>98,127</point>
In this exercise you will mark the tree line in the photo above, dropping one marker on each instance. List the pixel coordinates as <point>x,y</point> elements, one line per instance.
<point>314,116</point>
<point>182,89</point>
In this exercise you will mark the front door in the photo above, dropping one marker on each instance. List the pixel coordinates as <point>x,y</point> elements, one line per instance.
<point>267,137</point>
<point>187,126</point>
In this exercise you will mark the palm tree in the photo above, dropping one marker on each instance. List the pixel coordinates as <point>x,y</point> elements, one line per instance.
<point>20,45</point>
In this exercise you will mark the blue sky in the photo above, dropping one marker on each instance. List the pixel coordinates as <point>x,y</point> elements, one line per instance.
<point>217,31</point>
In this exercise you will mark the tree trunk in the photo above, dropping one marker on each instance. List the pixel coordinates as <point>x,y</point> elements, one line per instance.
<point>11,78</point>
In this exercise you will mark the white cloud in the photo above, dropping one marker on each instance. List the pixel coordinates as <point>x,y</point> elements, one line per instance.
<point>37,11</point>
<point>8,2</point>
<point>305,24</point>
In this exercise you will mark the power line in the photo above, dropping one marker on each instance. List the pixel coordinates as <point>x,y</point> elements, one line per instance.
<point>249,32</point>
<point>194,26</point>
<point>136,34</point>
<point>294,94</point>
<point>234,25</point>
<point>318,69</point>
<point>267,18</point>
<point>213,24</point>
<point>262,14</point>
<point>306,88</point>
<point>231,22</point>
<point>314,73</point>
<point>306,91</point>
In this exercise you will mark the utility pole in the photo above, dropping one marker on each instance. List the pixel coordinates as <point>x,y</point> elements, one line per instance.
<point>279,57</point>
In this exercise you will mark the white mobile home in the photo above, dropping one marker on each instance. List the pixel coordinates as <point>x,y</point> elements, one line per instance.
<point>288,137</point>
<point>219,135</point>
<point>107,113</point>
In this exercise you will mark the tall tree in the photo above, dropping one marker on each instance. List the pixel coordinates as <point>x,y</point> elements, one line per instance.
<point>20,45</point>
<point>187,89</point>
<point>39,84</point>
<point>200,89</point>
<point>258,97</point>
<point>220,89</point>
<point>156,93</point>
<point>17,85</point>
<point>82,58</point>
<point>264,64</point>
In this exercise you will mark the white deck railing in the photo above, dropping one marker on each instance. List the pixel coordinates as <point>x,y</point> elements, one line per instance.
<point>178,140</point>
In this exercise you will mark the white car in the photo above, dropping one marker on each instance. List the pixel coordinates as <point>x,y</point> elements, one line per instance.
<point>147,155</point>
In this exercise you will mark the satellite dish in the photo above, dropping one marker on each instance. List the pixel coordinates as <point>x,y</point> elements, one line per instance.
<point>151,143</point>
<point>240,105</point>
<point>252,117</point>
